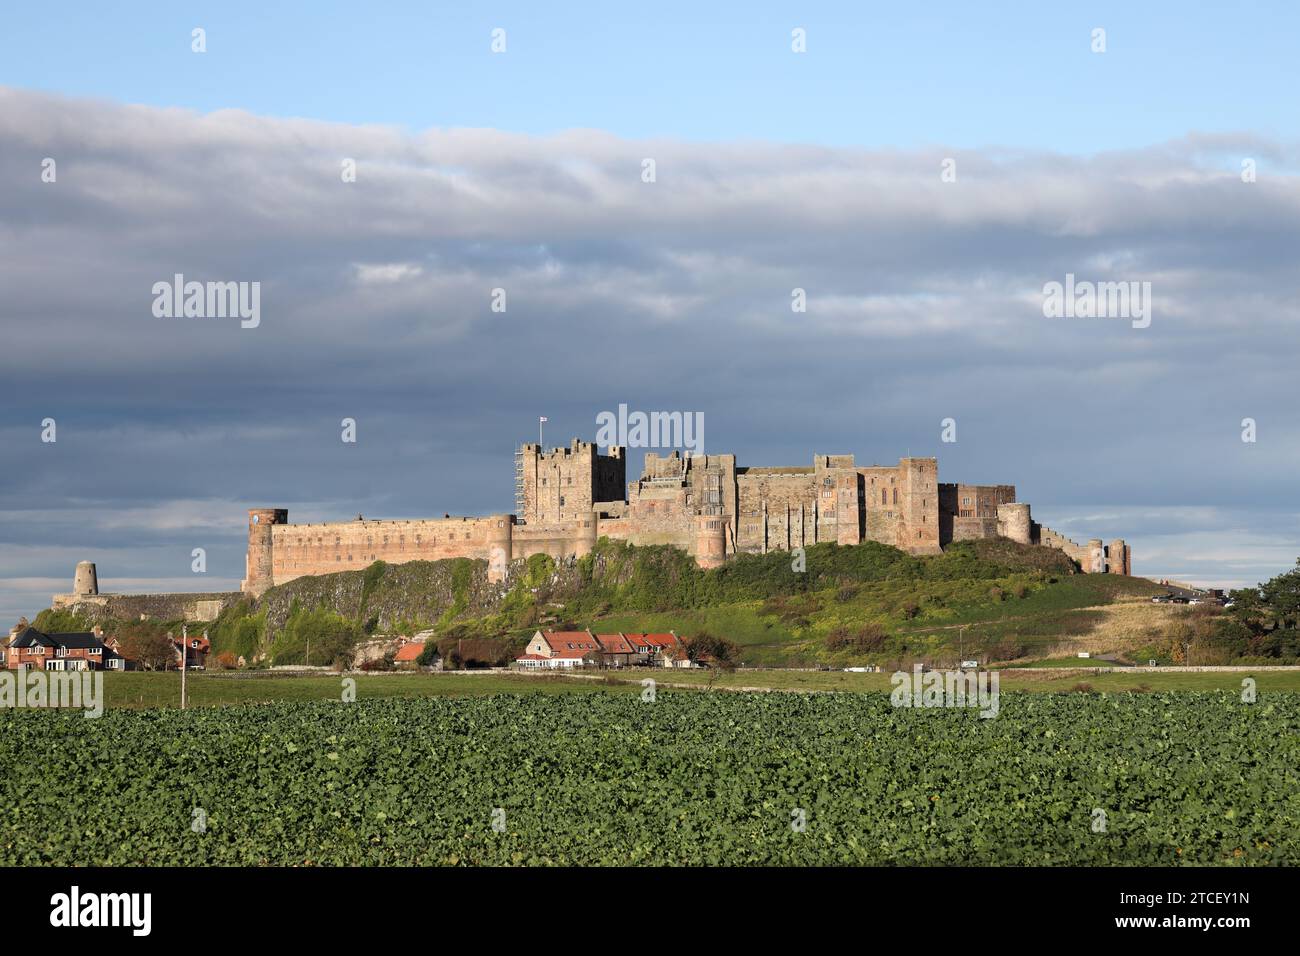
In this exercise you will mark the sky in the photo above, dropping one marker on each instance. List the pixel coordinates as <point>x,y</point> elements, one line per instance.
<point>921,174</point>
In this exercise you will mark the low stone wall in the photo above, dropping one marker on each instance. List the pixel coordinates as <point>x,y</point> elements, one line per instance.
<point>199,607</point>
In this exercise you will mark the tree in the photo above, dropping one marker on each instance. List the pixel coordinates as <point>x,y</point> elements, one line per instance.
<point>706,648</point>
<point>1282,596</point>
<point>148,644</point>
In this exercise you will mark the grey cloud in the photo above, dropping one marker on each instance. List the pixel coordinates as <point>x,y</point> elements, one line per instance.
<point>924,303</point>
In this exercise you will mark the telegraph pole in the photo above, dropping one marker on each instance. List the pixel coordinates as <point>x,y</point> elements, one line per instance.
<point>185,643</point>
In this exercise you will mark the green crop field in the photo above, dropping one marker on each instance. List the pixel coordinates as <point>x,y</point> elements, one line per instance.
<point>688,778</point>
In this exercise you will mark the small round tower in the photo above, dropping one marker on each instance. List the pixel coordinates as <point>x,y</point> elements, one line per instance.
<point>86,581</point>
<point>1096,557</point>
<point>260,563</point>
<point>1117,557</point>
<point>1014,522</point>
<point>500,545</point>
<point>710,540</point>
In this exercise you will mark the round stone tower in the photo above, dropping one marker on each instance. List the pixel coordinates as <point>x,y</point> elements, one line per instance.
<point>86,581</point>
<point>1015,523</point>
<point>1096,557</point>
<point>500,545</point>
<point>1117,557</point>
<point>259,564</point>
<point>585,533</point>
<point>710,540</point>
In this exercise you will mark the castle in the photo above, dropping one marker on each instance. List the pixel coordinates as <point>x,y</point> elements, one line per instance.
<point>567,498</point>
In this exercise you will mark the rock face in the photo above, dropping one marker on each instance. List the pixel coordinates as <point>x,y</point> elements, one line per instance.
<point>419,591</point>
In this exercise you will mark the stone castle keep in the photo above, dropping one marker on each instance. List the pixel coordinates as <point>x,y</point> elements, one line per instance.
<point>567,498</point>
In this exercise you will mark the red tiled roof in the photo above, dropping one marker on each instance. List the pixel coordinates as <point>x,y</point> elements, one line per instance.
<point>615,644</point>
<point>531,657</point>
<point>409,652</point>
<point>659,641</point>
<point>577,653</point>
<point>564,643</point>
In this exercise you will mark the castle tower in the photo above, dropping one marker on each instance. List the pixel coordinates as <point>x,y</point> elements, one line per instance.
<point>710,540</point>
<point>1096,557</point>
<point>1117,557</point>
<point>86,581</point>
<point>585,534</point>
<point>848,508</point>
<point>566,483</point>
<point>500,541</point>
<point>259,564</point>
<point>918,517</point>
<point>1014,522</point>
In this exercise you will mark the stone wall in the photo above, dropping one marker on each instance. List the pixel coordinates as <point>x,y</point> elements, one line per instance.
<point>300,549</point>
<point>195,606</point>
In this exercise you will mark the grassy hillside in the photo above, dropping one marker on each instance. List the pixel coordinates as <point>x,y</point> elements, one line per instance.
<point>868,604</point>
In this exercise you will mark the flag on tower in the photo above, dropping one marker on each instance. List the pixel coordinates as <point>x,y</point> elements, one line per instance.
<point>542,418</point>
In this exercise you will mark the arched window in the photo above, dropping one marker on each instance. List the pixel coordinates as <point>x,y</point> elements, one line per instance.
<point>884,496</point>
<point>895,496</point>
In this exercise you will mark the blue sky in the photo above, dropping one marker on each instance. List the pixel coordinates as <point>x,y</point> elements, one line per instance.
<point>1015,75</point>
<point>818,171</point>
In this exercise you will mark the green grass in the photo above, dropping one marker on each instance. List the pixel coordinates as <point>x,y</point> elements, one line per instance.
<point>147,690</point>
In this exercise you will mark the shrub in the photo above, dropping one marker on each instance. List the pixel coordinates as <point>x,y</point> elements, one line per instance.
<point>869,637</point>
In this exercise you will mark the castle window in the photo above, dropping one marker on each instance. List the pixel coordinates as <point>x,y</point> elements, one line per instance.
<point>884,496</point>
<point>895,496</point>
